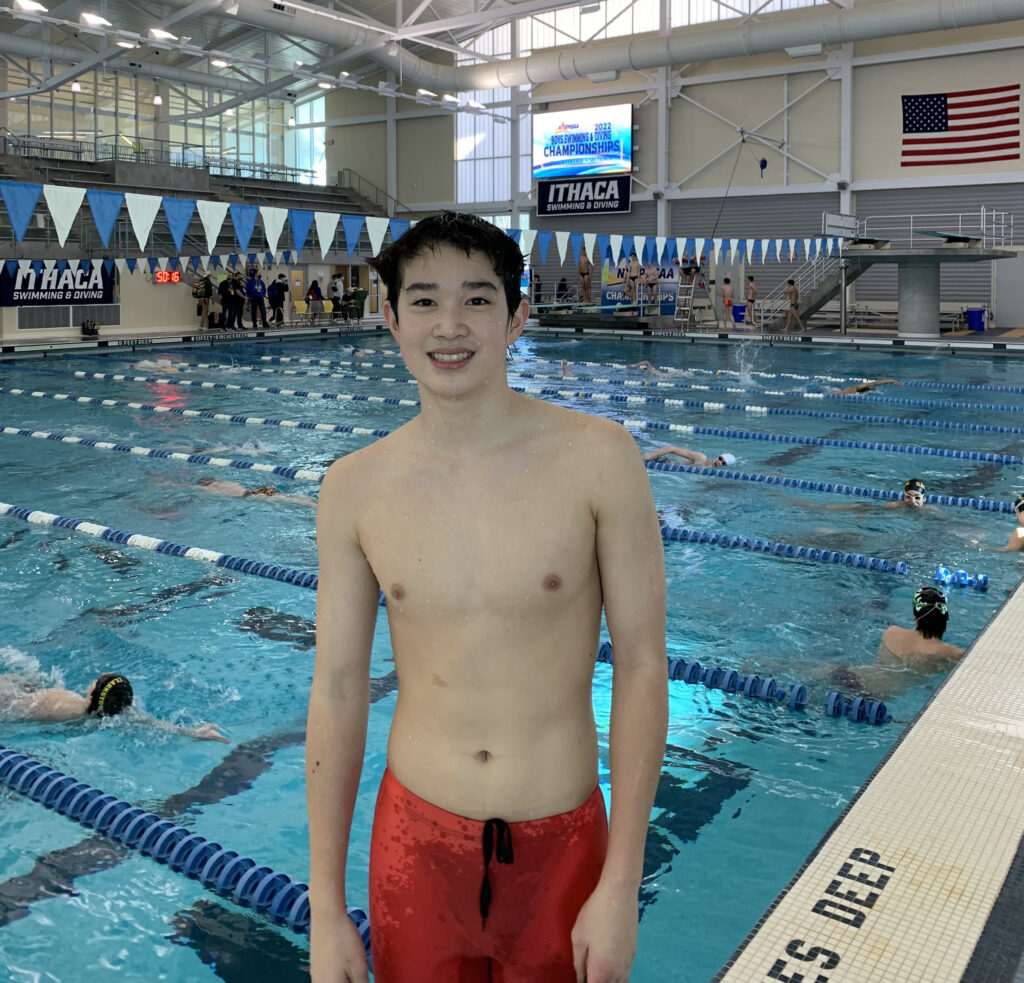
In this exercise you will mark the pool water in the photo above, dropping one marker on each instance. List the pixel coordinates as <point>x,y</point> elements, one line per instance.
<point>747,789</point>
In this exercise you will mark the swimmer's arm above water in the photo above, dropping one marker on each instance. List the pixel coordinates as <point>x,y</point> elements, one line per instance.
<point>696,458</point>
<point>339,705</point>
<point>632,569</point>
<point>1015,544</point>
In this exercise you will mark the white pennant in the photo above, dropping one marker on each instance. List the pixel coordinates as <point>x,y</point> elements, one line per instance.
<point>750,250</point>
<point>561,241</point>
<point>24,264</point>
<point>526,241</point>
<point>376,227</point>
<point>205,261</point>
<point>589,241</point>
<point>616,245</point>
<point>63,204</point>
<point>326,225</point>
<point>273,223</point>
<point>681,248</point>
<point>142,211</point>
<point>122,267</point>
<point>73,265</point>
<point>778,249</point>
<point>716,249</point>
<point>792,248</point>
<point>734,244</point>
<point>765,244</point>
<point>211,214</point>
<point>659,245</point>
<point>49,264</point>
<point>162,262</point>
<point>224,262</point>
<point>807,249</point>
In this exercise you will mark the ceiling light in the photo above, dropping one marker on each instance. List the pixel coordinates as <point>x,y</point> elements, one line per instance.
<point>291,120</point>
<point>36,8</point>
<point>76,86</point>
<point>126,44</point>
<point>805,50</point>
<point>161,35</point>
<point>590,8</point>
<point>426,93</point>
<point>324,85</point>
<point>343,75</point>
<point>158,100</point>
<point>473,104</point>
<point>94,20</point>
<point>220,63</point>
<point>299,63</point>
<point>230,111</point>
<point>448,97</point>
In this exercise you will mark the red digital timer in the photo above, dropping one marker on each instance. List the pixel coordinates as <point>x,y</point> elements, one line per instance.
<point>167,276</point>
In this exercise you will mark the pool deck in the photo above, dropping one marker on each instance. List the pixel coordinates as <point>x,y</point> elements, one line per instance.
<point>921,879</point>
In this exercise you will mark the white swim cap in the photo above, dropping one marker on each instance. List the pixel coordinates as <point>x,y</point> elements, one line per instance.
<point>728,459</point>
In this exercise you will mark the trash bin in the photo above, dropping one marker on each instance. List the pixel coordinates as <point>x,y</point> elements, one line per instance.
<point>739,312</point>
<point>975,318</point>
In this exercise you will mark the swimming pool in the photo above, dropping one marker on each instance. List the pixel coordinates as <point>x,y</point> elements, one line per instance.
<point>747,788</point>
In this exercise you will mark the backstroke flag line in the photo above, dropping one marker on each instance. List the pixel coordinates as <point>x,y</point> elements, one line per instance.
<point>969,127</point>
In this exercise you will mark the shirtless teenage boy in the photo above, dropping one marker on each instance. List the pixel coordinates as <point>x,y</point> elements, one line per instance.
<point>497,526</point>
<point>751,301</point>
<point>728,298</point>
<point>793,311</point>
<point>584,269</point>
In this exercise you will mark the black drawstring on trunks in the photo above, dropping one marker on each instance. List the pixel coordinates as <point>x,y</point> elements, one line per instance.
<point>497,840</point>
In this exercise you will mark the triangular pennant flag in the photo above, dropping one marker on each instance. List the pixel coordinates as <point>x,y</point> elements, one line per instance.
<point>544,243</point>
<point>86,264</point>
<point>105,207</point>
<point>650,249</point>
<point>174,262</point>
<point>211,214</point>
<point>576,244</point>
<point>286,256</point>
<point>142,211</point>
<point>73,265</point>
<point>376,227</point>
<point>11,267</point>
<point>162,262</point>
<point>615,242</point>
<point>232,260</point>
<point>49,264</point>
<point>300,220</point>
<point>707,249</point>
<point>108,266</point>
<point>793,247</point>
<point>153,264</point>
<point>716,249</point>
<point>250,260</point>
<point>561,241</point>
<point>179,212</point>
<point>327,229</point>
<point>62,265</point>
<point>778,249</point>
<point>765,250</point>
<point>589,238</point>
<point>24,264</point>
<point>659,249</point>
<point>670,252</point>
<point>38,265</point>
<point>807,249</point>
<point>243,218</point>
<point>691,249</point>
<point>122,266</point>
<point>399,227</point>
<point>628,246</point>
<point>215,261</point>
<point>268,260</point>
<point>738,250</point>
<point>750,250</point>
<point>527,241</point>
<point>352,226</point>
<point>603,244</point>
<point>273,224</point>
<point>132,265</point>
<point>20,200</point>
<point>514,235</point>
<point>64,204</point>
<point>205,261</point>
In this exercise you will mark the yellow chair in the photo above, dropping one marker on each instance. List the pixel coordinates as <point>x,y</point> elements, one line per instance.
<point>328,306</point>
<point>298,309</point>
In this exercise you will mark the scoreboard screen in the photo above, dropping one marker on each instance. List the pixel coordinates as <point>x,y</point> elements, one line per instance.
<point>167,276</point>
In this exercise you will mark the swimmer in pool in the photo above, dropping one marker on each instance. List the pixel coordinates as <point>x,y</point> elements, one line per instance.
<point>696,458</point>
<point>233,489</point>
<point>863,387</point>
<point>904,652</point>
<point>109,695</point>
<point>163,363</point>
<point>913,497</point>
<point>1016,542</point>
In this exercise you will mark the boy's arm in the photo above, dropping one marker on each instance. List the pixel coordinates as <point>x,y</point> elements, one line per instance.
<point>632,566</point>
<point>336,728</point>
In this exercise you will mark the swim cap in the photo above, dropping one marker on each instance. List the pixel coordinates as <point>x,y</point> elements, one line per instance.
<point>928,599</point>
<point>728,459</point>
<point>111,695</point>
<point>914,484</point>
<point>1018,503</point>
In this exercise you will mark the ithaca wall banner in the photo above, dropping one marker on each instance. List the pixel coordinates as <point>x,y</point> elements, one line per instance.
<point>584,195</point>
<point>30,288</point>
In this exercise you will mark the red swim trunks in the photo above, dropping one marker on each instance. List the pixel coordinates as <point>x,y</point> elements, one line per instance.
<point>456,900</point>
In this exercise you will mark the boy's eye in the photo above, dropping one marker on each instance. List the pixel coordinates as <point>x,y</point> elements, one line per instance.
<point>478,300</point>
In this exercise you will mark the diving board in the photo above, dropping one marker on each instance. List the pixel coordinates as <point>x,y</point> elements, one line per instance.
<point>952,238</point>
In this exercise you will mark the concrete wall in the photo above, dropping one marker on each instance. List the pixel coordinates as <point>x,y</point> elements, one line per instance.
<point>426,159</point>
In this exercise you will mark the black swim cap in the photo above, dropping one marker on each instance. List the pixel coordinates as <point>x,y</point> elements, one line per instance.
<point>111,695</point>
<point>914,484</point>
<point>928,599</point>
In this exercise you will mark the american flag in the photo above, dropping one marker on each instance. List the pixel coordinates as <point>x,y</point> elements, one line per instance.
<point>967,127</point>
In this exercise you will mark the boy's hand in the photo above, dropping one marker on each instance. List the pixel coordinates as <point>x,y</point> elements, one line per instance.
<point>604,937</point>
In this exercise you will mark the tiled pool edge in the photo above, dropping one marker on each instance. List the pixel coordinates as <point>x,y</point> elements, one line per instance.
<point>920,880</point>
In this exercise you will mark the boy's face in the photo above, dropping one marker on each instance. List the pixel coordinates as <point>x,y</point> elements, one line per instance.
<point>451,320</point>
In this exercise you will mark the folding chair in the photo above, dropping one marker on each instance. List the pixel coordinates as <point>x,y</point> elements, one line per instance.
<point>298,310</point>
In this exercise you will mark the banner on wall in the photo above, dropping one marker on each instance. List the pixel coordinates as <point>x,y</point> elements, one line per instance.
<point>584,195</point>
<point>37,288</point>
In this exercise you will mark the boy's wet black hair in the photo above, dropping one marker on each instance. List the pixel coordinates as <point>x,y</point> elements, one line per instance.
<point>460,231</point>
<point>931,613</point>
<point>111,695</point>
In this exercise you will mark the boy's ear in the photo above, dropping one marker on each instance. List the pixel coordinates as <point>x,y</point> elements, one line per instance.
<point>517,322</point>
<point>390,319</point>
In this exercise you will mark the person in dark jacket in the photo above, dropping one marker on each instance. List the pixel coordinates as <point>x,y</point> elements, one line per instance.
<point>315,299</point>
<point>226,289</point>
<point>277,294</point>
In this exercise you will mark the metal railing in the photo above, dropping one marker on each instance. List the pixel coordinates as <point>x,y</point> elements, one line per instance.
<point>806,279</point>
<point>347,178</point>
<point>992,227</point>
